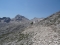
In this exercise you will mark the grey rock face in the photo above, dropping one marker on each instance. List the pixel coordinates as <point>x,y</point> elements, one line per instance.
<point>44,32</point>
<point>47,31</point>
<point>43,35</point>
<point>20,18</point>
<point>36,20</point>
<point>5,19</point>
<point>8,25</point>
<point>54,19</point>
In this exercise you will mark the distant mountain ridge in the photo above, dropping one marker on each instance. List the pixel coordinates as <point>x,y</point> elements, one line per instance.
<point>36,20</point>
<point>5,19</point>
<point>7,24</point>
<point>20,31</point>
<point>18,18</point>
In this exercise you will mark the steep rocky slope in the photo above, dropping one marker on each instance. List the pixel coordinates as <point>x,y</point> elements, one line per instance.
<point>13,25</point>
<point>44,32</point>
<point>43,35</point>
<point>54,19</point>
<point>47,31</point>
<point>10,31</point>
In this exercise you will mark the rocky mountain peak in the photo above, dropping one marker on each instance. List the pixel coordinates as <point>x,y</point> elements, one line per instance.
<point>5,19</point>
<point>19,17</point>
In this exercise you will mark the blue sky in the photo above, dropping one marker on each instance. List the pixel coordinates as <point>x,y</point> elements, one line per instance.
<point>29,8</point>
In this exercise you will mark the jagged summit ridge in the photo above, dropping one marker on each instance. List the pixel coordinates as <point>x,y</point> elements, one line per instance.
<point>20,17</point>
<point>17,18</point>
<point>5,19</point>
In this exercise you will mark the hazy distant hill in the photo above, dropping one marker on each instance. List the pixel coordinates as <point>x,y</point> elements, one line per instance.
<point>36,20</point>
